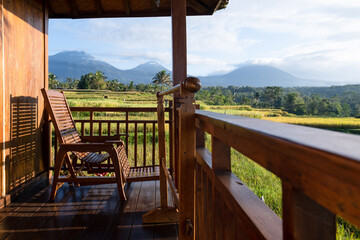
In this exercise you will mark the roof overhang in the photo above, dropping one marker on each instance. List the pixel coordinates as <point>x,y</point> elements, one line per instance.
<point>127,8</point>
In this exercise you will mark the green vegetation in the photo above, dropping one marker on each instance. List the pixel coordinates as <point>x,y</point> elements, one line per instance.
<point>262,182</point>
<point>341,101</point>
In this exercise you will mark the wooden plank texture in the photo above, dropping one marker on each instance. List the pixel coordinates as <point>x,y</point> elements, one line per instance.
<point>24,45</point>
<point>321,164</point>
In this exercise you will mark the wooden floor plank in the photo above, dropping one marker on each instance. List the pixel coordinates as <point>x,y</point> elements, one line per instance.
<point>91,212</point>
<point>146,203</point>
<point>85,213</point>
<point>16,221</point>
<point>97,228</point>
<point>121,224</point>
<point>166,230</point>
<point>58,213</point>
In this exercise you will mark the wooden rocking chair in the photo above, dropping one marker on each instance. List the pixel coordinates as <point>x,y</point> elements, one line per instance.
<point>87,149</point>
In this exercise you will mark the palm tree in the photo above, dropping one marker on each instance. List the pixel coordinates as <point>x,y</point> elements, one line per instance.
<point>53,82</point>
<point>162,78</point>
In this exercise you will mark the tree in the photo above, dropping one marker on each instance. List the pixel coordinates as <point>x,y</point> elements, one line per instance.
<point>162,78</point>
<point>93,81</point>
<point>294,103</point>
<point>271,97</point>
<point>53,82</point>
<point>72,83</point>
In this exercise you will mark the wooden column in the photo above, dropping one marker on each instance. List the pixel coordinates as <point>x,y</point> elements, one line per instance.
<point>187,166</point>
<point>303,218</point>
<point>178,16</point>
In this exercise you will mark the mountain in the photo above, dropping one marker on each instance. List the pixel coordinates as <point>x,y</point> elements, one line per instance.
<point>256,76</point>
<point>73,64</point>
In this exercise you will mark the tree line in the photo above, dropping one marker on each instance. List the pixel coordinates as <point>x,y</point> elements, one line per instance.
<point>98,81</point>
<point>340,103</point>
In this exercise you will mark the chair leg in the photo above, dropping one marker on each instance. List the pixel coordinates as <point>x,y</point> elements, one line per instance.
<point>118,174</point>
<point>58,163</point>
<point>71,169</point>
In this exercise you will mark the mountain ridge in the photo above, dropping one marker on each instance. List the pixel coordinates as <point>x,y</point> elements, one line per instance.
<point>73,64</point>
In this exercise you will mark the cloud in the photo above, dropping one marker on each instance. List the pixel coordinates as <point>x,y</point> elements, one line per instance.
<point>312,39</point>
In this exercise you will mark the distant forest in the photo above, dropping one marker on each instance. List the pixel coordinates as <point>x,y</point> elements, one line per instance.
<point>335,101</point>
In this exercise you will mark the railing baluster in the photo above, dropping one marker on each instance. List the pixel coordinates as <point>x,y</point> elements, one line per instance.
<point>303,218</point>
<point>153,145</point>
<point>100,128</point>
<point>82,128</point>
<point>144,146</point>
<point>220,155</point>
<point>91,123</point>
<point>127,131</point>
<point>171,135</point>
<point>135,141</point>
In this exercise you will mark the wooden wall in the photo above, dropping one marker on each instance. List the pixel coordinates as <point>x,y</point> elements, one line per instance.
<point>24,70</point>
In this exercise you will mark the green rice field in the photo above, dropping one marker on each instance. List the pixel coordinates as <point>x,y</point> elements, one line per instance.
<point>263,183</point>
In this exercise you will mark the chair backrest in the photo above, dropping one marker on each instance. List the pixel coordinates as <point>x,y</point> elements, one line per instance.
<point>57,107</point>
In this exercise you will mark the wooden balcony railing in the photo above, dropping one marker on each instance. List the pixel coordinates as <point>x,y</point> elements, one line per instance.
<point>319,170</point>
<point>139,135</point>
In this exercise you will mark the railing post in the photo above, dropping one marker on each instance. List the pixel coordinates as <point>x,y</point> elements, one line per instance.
<point>220,155</point>
<point>221,161</point>
<point>187,165</point>
<point>303,218</point>
<point>162,150</point>
<point>127,131</point>
<point>171,139</point>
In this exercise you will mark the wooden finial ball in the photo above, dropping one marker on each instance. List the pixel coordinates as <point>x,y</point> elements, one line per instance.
<point>192,84</point>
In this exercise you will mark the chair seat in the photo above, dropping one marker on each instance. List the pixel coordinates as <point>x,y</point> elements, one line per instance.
<point>93,158</point>
<point>146,173</point>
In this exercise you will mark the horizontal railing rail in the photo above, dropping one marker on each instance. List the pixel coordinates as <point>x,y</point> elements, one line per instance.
<point>319,170</point>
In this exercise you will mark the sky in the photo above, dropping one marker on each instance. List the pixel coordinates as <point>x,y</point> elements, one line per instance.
<point>312,39</point>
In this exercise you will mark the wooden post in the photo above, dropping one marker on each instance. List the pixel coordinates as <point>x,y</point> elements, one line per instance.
<point>162,151</point>
<point>303,218</point>
<point>221,161</point>
<point>178,16</point>
<point>171,139</point>
<point>164,213</point>
<point>220,155</point>
<point>187,166</point>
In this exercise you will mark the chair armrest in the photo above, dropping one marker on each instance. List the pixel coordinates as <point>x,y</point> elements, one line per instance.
<point>86,147</point>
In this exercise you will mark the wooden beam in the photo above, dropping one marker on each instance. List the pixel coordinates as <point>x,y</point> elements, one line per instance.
<point>218,5</point>
<point>99,8</point>
<point>127,6</point>
<point>178,13</point>
<point>154,5</point>
<point>198,6</point>
<point>73,7</point>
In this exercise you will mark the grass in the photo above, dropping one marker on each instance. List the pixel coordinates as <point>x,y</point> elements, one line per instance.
<point>263,183</point>
<point>320,122</point>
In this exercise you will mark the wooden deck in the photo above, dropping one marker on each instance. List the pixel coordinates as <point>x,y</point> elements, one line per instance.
<point>89,212</point>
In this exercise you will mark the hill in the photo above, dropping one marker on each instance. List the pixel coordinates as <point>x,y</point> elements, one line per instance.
<point>257,76</point>
<point>73,64</point>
